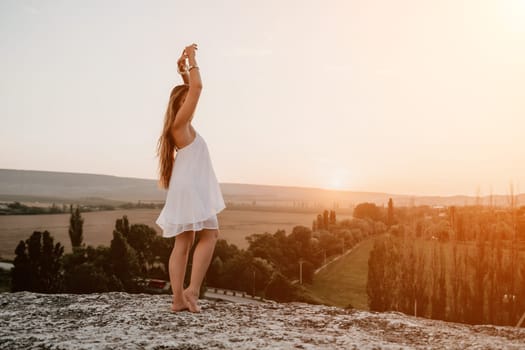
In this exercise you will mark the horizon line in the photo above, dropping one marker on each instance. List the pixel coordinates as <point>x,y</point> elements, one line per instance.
<point>288,186</point>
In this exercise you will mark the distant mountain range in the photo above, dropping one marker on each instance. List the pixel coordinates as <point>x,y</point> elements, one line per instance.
<point>50,186</point>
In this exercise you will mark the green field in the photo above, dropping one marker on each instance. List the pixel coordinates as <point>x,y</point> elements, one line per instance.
<point>343,282</point>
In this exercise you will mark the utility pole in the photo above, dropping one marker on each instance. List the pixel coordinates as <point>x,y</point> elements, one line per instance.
<point>301,270</point>
<point>253,289</point>
<point>520,321</point>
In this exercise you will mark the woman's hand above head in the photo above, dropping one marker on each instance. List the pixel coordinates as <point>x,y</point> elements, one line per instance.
<point>193,68</point>
<point>189,51</point>
<point>182,67</point>
<point>187,56</point>
<point>181,62</point>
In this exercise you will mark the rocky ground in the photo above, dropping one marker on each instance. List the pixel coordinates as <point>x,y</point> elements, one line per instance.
<point>140,321</point>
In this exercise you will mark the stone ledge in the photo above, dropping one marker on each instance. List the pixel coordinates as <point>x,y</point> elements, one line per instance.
<point>120,320</point>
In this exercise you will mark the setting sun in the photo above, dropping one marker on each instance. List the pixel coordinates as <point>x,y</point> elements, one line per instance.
<point>335,183</point>
<point>337,180</point>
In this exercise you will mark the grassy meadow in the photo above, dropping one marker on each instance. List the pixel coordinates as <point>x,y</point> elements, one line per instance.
<point>343,281</point>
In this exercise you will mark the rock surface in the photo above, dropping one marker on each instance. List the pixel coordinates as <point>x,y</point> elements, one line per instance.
<point>120,320</point>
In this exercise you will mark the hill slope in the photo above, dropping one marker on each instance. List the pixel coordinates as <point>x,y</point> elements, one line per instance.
<point>120,320</point>
<point>55,186</point>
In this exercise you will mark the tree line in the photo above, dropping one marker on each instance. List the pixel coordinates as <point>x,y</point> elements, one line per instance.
<point>17,208</point>
<point>136,251</point>
<point>266,268</point>
<point>458,264</point>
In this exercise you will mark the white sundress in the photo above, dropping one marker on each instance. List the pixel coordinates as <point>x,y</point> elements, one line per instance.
<point>194,197</point>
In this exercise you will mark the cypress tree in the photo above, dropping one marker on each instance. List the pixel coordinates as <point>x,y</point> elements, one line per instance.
<point>390,213</point>
<point>320,224</point>
<point>124,261</point>
<point>21,270</point>
<point>376,274</point>
<point>325,219</point>
<point>75,228</point>
<point>439,292</point>
<point>38,264</point>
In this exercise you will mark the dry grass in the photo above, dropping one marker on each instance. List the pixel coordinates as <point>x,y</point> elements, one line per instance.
<point>234,225</point>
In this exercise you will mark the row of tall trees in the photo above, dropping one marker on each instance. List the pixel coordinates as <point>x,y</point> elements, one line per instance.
<point>432,270</point>
<point>17,208</point>
<point>324,220</point>
<point>37,265</point>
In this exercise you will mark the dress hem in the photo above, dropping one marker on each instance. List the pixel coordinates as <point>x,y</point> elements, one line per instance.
<point>215,212</point>
<point>172,229</point>
<point>178,233</point>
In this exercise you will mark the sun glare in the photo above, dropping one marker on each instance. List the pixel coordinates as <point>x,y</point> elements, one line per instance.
<point>336,180</point>
<point>335,183</point>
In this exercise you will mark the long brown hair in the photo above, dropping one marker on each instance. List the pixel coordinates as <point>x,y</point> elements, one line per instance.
<point>166,144</point>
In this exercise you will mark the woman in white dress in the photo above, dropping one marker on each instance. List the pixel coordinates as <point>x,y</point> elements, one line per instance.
<point>194,196</point>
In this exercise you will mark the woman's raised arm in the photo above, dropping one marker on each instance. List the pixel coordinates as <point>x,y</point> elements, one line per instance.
<point>192,98</point>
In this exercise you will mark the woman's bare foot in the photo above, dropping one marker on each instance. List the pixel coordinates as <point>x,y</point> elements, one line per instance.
<point>192,300</point>
<point>179,305</point>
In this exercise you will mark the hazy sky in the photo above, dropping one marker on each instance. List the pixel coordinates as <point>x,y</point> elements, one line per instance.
<point>405,96</point>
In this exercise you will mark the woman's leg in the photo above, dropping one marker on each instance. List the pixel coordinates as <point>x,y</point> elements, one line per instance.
<point>177,267</point>
<point>201,261</point>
